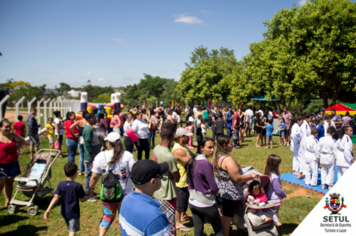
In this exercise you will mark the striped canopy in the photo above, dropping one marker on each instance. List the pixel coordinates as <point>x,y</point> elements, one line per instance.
<point>342,108</point>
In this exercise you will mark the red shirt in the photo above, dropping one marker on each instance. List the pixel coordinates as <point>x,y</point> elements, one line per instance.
<point>67,125</point>
<point>236,117</point>
<point>19,128</point>
<point>8,152</point>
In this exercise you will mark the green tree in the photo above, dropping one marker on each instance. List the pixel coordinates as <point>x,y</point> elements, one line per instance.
<point>63,88</point>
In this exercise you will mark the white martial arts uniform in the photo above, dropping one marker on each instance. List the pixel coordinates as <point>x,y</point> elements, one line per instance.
<point>327,154</point>
<point>295,135</point>
<point>305,130</point>
<point>311,163</point>
<point>344,155</point>
<point>326,126</point>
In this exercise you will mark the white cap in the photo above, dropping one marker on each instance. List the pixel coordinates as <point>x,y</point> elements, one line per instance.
<point>113,137</point>
<point>182,131</point>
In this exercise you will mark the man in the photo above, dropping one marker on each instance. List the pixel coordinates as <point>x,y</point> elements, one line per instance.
<point>228,121</point>
<point>305,132</point>
<point>214,118</point>
<point>248,120</point>
<point>195,109</point>
<point>166,194</point>
<point>235,128</point>
<point>287,121</point>
<point>186,110</point>
<point>91,148</point>
<point>32,131</point>
<point>336,118</point>
<point>140,213</point>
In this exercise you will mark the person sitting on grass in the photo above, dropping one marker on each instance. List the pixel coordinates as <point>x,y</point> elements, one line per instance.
<point>269,133</point>
<point>70,192</point>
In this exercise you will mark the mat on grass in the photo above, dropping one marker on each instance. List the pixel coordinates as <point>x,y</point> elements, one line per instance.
<point>291,178</point>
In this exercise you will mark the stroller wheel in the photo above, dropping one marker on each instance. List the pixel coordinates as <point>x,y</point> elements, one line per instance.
<point>32,210</point>
<point>11,209</point>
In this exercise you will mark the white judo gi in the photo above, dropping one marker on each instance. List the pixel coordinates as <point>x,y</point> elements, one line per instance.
<point>326,152</point>
<point>295,135</point>
<point>305,130</point>
<point>311,163</point>
<point>344,155</point>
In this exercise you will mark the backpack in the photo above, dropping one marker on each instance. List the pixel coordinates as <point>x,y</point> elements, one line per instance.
<point>110,187</point>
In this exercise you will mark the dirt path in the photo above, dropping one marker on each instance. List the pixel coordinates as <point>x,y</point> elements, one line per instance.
<point>11,115</point>
<point>302,192</point>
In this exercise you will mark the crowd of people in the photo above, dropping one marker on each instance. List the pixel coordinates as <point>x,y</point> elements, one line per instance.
<point>176,178</point>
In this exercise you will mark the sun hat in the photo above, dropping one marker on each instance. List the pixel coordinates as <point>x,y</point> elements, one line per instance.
<point>113,137</point>
<point>182,131</point>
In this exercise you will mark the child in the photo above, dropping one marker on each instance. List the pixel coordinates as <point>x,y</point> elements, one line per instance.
<point>19,127</point>
<point>189,127</point>
<point>50,133</point>
<point>320,127</point>
<point>345,157</point>
<point>282,132</point>
<point>274,190</point>
<point>70,193</point>
<point>220,124</point>
<point>295,146</point>
<point>326,153</point>
<point>256,196</point>
<point>269,133</point>
<point>311,163</point>
<point>203,127</point>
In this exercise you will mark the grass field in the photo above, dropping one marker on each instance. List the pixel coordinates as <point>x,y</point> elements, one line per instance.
<point>293,210</point>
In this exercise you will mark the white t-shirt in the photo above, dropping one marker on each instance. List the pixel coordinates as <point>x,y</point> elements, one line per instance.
<point>249,115</point>
<point>60,126</point>
<point>191,119</point>
<point>127,126</point>
<point>203,128</point>
<point>174,115</point>
<point>270,115</point>
<point>140,128</point>
<point>121,169</point>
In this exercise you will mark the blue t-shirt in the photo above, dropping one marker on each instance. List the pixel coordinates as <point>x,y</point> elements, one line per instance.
<point>70,193</point>
<point>282,126</point>
<point>321,132</point>
<point>269,130</point>
<point>140,215</point>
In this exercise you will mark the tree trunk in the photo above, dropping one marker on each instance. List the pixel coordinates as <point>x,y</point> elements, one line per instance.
<point>336,93</point>
<point>323,90</point>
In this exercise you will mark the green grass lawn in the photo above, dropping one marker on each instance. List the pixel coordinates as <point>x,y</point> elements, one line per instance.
<point>293,210</point>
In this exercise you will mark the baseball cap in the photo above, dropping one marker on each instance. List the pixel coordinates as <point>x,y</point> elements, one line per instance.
<point>145,170</point>
<point>182,131</point>
<point>113,137</point>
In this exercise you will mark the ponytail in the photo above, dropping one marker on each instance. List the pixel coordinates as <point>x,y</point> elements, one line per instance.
<point>342,131</point>
<point>118,150</point>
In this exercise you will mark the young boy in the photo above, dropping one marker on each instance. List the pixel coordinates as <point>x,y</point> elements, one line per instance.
<point>282,132</point>
<point>220,124</point>
<point>269,133</point>
<point>310,145</point>
<point>50,132</point>
<point>70,193</point>
<point>326,153</point>
<point>19,127</point>
<point>320,127</point>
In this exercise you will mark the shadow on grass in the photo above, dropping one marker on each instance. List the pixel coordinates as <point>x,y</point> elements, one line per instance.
<point>286,229</point>
<point>26,230</point>
<point>10,219</point>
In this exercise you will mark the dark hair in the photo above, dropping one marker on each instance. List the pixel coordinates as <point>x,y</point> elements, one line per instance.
<point>253,185</point>
<point>56,113</point>
<point>220,115</point>
<point>331,130</point>
<point>118,150</point>
<point>282,119</point>
<point>314,131</point>
<point>49,118</point>
<point>347,113</point>
<point>222,141</point>
<point>333,110</point>
<point>167,131</point>
<point>191,163</point>
<point>70,168</point>
<point>69,114</point>
<point>143,111</point>
<point>20,117</point>
<point>342,131</point>
<point>84,112</point>
<point>100,116</point>
<point>308,115</point>
<point>94,110</point>
<point>188,123</point>
<point>33,109</point>
<point>3,122</point>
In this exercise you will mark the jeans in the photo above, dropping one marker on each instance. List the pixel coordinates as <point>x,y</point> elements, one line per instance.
<point>152,135</point>
<point>81,157</point>
<point>211,214</point>
<point>207,124</point>
<point>103,133</point>
<point>88,166</point>
<point>229,131</point>
<point>72,148</point>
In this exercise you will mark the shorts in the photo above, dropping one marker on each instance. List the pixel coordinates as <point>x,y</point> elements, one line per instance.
<point>287,132</point>
<point>182,199</point>
<point>258,129</point>
<point>269,139</point>
<point>235,133</point>
<point>248,125</point>
<point>34,140</point>
<point>282,135</point>
<point>51,139</point>
<point>73,225</point>
<point>228,207</point>
<point>10,170</point>
<point>263,132</point>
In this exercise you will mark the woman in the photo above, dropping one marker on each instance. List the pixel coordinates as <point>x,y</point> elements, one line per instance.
<point>242,124</point>
<point>141,129</point>
<point>59,129</point>
<point>203,189</point>
<point>102,123</point>
<point>120,162</point>
<point>258,128</point>
<point>230,181</point>
<point>199,129</point>
<point>9,164</point>
<point>72,139</point>
<point>116,122</point>
<point>346,121</point>
<point>182,155</point>
<point>128,125</point>
<point>153,129</point>
<point>80,125</point>
<point>169,118</point>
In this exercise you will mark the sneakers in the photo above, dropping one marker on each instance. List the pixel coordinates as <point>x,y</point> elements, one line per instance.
<point>236,147</point>
<point>92,199</point>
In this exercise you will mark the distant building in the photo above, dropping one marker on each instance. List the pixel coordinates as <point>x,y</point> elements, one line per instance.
<point>74,93</point>
<point>50,91</point>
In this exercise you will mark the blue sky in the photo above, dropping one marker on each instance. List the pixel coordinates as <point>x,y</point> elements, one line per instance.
<point>116,42</point>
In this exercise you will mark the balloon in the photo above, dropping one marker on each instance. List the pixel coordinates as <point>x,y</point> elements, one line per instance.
<point>122,106</point>
<point>132,135</point>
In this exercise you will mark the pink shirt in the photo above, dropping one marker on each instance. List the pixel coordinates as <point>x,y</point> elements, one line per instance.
<point>121,120</point>
<point>287,117</point>
<point>261,196</point>
<point>115,122</point>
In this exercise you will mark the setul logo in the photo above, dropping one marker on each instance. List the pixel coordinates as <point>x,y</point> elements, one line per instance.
<point>335,205</point>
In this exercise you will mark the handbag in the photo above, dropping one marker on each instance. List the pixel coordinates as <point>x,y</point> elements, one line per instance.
<point>57,145</point>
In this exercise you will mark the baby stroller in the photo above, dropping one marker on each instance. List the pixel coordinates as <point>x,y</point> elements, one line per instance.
<point>32,184</point>
<point>249,221</point>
